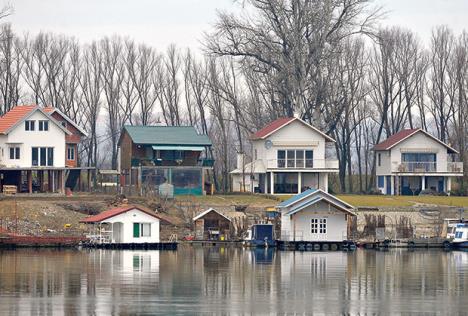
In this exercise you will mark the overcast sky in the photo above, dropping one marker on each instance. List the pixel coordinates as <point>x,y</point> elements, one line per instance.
<point>161,22</point>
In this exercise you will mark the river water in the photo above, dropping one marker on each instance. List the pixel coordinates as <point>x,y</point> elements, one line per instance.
<point>232,281</point>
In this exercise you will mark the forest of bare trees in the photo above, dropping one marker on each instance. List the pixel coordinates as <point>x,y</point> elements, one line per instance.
<point>327,62</point>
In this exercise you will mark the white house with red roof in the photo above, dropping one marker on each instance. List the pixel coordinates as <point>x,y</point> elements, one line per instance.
<point>127,224</point>
<point>413,160</point>
<point>38,148</point>
<point>288,157</point>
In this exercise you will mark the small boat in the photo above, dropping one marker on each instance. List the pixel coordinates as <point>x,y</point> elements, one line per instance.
<point>460,240</point>
<point>260,235</point>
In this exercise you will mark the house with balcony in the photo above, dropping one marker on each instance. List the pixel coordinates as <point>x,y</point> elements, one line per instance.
<point>289,157</point>
<point>176,156</point>
<point>39,150</point>
<point>413,160</point>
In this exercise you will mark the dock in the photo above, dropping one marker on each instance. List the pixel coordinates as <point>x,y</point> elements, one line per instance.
<point>13,241</point>
<point>316,245</point>
<point>409,243</point>
<point>133,246</point>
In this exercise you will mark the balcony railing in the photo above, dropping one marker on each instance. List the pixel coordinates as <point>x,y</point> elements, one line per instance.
<point>302,164</point>
<point>204,162</point>
<point>418,167</point>
<point>455,167</point>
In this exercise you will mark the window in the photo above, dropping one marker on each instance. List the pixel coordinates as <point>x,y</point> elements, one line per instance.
<point>141,230</point>
<point>381,181</point>
<point>298,158</point>
<point>318,226</point>
<point>14,153</point>
<point>379,158</point>
<point>42,156</point>
<point>255,155</point>
<point>281,155</point>
<point>29,125</point>
<point>71,153</point>
<point>43,125</point>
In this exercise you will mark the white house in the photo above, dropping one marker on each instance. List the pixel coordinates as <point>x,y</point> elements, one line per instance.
<point>412,160</point>
<point>125,225</point>
<point>37,145</point>
<point>315,215</point>
<point>289,156</point>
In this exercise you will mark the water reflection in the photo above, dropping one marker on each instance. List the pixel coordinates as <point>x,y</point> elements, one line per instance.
<point>232,281</point>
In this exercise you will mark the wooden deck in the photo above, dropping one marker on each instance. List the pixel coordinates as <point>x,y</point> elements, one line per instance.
<point>143,246</point>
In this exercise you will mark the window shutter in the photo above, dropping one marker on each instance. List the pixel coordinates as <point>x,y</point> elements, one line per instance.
<point>136,230</point>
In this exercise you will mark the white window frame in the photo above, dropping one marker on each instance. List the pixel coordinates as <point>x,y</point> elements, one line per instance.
<point>16,152</point>
<point>43,125</point>
<point>70,153</point>
<point>30,125</point>
<point>145,229</point>
<point>318,226</point>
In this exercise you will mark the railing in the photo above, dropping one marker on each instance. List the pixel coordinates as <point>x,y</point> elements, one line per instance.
<point>456,167</point>
<point>302,164</point>
<point>136,162</point>
<point>417,167</point>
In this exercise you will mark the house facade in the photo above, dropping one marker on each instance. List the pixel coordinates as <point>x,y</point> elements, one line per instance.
<point>176,156</point>
<point>412,160</point>
<point>289,156</point>
<point>125,225</point>
<point>35,153</point>
<point>315,215</point>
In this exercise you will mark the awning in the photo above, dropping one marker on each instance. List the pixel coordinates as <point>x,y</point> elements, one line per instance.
<point>188,148</point>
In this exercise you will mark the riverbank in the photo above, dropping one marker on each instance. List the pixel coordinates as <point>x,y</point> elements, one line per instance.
<point>54,215</point>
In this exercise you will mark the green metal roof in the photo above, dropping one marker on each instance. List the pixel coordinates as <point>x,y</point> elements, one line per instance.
<point>178,147</point>
<point>166,135</point>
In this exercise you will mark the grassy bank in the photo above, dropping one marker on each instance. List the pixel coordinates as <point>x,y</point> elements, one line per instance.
<point>354,199</point>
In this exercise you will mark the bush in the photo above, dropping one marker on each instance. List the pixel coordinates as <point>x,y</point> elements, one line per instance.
<point>459,192</point>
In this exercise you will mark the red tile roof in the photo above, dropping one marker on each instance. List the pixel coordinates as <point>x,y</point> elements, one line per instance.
<point>270,128</point>
<point>395,138</point>
<point>15,115</point>
<point>117,211</point>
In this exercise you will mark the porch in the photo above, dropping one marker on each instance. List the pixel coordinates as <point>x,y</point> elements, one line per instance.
<point>292,182</point>
<point>413,185</point>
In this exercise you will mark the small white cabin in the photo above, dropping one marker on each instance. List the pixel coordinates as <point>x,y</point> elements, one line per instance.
<point>125,225</point>
<point>315,215</point>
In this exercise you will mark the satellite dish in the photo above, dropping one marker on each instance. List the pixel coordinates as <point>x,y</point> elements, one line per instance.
<point>268,144</point>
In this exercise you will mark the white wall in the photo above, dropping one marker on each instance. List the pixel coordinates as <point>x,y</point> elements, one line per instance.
<point>136,216</point>
<point>385,164</point>
<point>54,137</point>
<point>295,135</point>
<point>249,183</point>
<point>336,223</point>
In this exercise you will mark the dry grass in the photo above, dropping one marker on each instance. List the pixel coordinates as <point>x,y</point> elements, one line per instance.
<point>389,201</point>
<point>356,200</point>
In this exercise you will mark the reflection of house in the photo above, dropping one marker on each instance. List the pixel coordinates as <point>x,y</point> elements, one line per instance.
<point>288,157</point>
<point>314,215</point>
<point>153,155</point>
<point>413,160</point>
<point>39,149</point>
<point>212,225</point>
<point>125,225</point>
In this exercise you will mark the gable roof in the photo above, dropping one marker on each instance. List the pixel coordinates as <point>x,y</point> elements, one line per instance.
<point>20,113</point>
<point>52,110</point>
<point>117,211</point>
<point>301,201</point>
<point>166,135</point>
<point>397,138</point>
<point>282,122</point>
<point>208,211</point>
<point>296,198</point>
